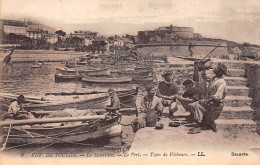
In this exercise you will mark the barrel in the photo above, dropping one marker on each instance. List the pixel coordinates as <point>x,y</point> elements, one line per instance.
<point>151,117</point>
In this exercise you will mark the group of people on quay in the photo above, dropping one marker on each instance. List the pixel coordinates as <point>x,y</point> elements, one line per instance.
<point>204,103</point>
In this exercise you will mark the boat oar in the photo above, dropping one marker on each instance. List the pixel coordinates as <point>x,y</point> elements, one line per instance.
<point>8,133</point>
<point>51,120</point>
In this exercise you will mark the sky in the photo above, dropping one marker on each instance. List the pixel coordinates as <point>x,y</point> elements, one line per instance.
<point>235,20</point>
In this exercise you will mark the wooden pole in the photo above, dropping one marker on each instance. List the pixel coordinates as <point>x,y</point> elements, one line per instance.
<point>50,120</point>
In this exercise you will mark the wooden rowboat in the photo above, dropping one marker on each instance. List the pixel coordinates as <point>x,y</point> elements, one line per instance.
<point>64,78</point>
<point>84,128</point>
<point>91,79</point>
<point>94,101</point>
<point>61,101</point>
<point>83,71</point>
<point>135,73</point>
<point>143,79</point>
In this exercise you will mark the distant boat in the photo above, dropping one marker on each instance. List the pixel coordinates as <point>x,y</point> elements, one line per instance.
<point>115,80</point>
<point>36,64</point>
<point>143,79</point>
<point>135,73</point>
<point>83,71</point>
<point>65,78</point>
<point>119,68</point>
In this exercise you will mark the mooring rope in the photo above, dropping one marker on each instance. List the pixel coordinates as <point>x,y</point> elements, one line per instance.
<point>59,140</point>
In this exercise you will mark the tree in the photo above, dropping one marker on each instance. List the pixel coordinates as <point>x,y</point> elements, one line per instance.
<point>60,32</point>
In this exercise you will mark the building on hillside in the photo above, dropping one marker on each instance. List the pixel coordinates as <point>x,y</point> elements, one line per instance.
<point>99,45</point>
<point>13,31</point>
<point>167,34</point>
<point>88,41</point>
<point>128,42</point>
<point>118,41</point>
<point>197,35</point>
<point>84,34</point>
<point>13,27</point>
<point>87,36</point>
<point>38,31</point>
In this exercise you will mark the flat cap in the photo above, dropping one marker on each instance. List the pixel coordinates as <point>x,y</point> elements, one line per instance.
<point>187,82</point>
<point>21,97</point>
<point>149,87</point>
<point>167,73</point>
<point>110,90</point>
<point>223,68</point>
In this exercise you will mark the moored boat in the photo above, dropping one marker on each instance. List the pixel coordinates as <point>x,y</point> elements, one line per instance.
<point>94,101</point>
<point>78,100</point>
<point>84,71</point>
<point>92,79</point>
<point>135,73</point>
<point>143,79</point>
<point>64,78</point>
<point>60,130</point>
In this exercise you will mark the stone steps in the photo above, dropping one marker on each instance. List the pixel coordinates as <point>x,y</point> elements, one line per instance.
<point>236,126</point>
<point>237,101</point>
<point>245,112</point>
<point>237,90</point>
<point>230,64</point>
<point>237,115</point>
<point>235,81</point>
<point>236,72</point>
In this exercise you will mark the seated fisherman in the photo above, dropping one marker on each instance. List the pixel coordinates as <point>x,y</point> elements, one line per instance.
<point>168,91</point>
<point>206,111</point>
<point>188,95</point>
<point>149,102</point>
<point>16,111</point>
<point>115,102</point>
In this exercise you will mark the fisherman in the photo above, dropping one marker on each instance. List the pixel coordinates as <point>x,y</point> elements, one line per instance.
<point>115,102</point>
<point>16,111</point>
<point>149,102</point>
<point>168,91</point>
<point>201,77</point>
<point>206,111</point>
<point>188,95</point>
<point>190,49</point>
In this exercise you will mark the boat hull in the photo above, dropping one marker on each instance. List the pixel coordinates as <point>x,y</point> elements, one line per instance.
<point>106,80</point>
<point>95,103</point>
<point>62,134</point>
<point>66,78</point>
<point>134,73</point>
<point>73,71</point>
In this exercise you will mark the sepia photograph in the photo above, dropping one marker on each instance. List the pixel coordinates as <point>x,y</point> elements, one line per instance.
<point>130,82</point>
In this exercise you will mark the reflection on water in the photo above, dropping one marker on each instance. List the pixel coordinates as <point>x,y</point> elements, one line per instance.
<point>21,78</point>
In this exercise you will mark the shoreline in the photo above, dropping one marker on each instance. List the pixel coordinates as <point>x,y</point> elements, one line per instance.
<point>23,56</point>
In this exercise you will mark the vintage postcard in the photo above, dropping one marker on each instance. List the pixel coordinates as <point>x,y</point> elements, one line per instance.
<point>123,82</point>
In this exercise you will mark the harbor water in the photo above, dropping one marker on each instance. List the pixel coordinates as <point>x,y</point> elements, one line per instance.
<point>22,78</point>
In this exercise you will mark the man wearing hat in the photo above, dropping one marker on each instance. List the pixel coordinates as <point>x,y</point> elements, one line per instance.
<point>114,102</point>
<point>168,91</point>
<point>206,111</point>
<point>149,102</point>
<point>15,110</point>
